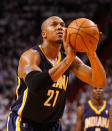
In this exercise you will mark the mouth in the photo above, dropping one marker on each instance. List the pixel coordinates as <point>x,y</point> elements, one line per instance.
<point>98,94</point>
<point>59,33</point>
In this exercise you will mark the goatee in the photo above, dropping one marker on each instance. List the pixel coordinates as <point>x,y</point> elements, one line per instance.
<point>59,42</point>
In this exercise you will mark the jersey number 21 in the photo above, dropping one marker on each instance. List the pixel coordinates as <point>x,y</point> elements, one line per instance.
<point>52,94</point>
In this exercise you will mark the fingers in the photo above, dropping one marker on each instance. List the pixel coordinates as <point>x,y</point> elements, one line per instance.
<point>65,35</point>
<point>68,38</point>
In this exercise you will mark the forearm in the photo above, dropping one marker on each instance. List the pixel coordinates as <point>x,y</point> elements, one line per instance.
<point>59,69</point>
<point>98,72</point>
<point>36,80</point>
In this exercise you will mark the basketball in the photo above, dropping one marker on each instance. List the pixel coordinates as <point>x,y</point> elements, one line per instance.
<point>83,35</point>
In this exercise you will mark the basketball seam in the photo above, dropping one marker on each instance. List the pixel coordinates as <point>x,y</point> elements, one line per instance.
<point>84,27</point>
<point>81,38</point>
<point>78,30</point>
<point>87,26</point>
<point>85,33</point>
<point>77,23</point>
<point>84,42</point>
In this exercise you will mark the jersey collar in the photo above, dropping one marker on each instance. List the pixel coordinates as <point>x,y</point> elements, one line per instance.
<point>96,110</point>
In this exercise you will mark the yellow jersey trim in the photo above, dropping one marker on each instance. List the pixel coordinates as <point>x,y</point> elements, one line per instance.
<point>59,57</point>
<point>18,121</point>
<point>23,102</point>
<point>8,120</point>
<point>94,109</point>
<point>18,87</point>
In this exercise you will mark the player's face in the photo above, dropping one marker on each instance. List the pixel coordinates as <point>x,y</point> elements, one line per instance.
<point>98,93</point>
<point>55,30</point>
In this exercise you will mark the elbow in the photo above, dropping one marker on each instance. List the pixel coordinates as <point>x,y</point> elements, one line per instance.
<point>100,83</point>
<point>103,81</point>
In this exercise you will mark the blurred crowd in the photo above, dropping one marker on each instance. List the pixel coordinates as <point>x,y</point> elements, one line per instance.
<point>20,29</point>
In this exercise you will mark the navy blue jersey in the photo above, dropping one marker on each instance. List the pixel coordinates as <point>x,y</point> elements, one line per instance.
<point>48,104</point>
<point>96,120</point>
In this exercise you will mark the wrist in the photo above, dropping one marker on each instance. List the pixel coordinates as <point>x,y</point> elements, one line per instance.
<point>70,57</point>
<point>91,54</point>
<point>68,60</point>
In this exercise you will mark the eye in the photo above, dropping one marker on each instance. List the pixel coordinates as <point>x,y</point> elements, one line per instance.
<point>63,25</point>
<point>54,24</point>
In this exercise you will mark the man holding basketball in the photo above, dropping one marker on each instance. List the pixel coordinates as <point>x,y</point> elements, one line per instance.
<point>43,76</point>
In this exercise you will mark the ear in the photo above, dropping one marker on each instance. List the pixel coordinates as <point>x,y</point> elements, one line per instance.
<point>43,33</point>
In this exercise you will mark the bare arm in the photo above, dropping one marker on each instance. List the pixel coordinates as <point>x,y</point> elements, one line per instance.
<point>59,69</point>
<point>80,112</point>
<point>110,118</point>
<point>94,75</point>
<point>30,61</point>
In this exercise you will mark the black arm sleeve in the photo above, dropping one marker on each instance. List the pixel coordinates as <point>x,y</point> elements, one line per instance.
<point>36,80</point>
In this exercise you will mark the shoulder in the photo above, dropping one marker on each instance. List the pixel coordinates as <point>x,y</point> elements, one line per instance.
<point>30,55</point>
<point>30,52</point>
<point>29,61</point>
<point>80,110</point>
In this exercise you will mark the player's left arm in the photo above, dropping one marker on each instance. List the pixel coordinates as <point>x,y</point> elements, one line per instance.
<point>110,118</point>
<point>94,75</point>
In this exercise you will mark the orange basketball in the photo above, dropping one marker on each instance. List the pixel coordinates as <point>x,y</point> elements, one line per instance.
<point>83,35</point>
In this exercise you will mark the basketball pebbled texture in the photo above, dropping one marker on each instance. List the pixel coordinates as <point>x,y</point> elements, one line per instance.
<point>84,35</point>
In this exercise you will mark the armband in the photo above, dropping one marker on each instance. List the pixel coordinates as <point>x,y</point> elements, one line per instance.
<point>36,80</point>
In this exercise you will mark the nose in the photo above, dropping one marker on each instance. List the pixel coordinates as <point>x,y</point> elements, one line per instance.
<point>59,27</point>
<point>97,90</point>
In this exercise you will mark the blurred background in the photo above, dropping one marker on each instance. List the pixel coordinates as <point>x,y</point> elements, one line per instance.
<point>20,22</point>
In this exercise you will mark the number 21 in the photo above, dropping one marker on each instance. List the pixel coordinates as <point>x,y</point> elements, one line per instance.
<point>51,93</point>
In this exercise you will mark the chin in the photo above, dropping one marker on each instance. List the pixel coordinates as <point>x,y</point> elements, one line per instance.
<point>59,42</point>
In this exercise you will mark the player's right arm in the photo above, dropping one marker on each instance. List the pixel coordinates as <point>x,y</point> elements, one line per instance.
<point>80,112</point>
<point>28,62</point>
<point>29,71</point>
<point>34,77</point>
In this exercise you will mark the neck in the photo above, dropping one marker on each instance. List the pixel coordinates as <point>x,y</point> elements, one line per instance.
<point>97,102</point>
<point>51,50</point>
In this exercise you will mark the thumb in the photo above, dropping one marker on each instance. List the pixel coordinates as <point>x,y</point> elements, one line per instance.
<point>65,35</point>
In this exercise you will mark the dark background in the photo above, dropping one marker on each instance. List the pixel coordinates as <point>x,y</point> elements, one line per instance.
<point>20,22</point>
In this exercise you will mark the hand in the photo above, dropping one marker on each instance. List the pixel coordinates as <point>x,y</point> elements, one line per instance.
<point>70,52</point>
<point>94,48</point>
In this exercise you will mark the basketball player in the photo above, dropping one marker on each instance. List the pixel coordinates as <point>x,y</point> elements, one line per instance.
<point>94,114</point>
<point>42,80</point>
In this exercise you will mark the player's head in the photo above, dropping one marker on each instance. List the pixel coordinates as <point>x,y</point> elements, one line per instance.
<point>53,29</point>
<point>97,93</point>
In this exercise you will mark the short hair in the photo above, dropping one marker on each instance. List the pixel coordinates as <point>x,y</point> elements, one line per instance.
<point>45,22</point>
